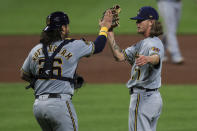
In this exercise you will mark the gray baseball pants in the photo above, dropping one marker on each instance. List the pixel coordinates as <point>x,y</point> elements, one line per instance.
<point>144,110</point>
<point>55,114</point>
<point>171,13</point>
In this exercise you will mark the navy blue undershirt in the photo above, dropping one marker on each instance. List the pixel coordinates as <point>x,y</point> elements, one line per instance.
<point>99,43</point>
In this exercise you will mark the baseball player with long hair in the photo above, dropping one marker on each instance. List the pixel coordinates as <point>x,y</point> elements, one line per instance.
<point>50,68</point>
<point>146,60</point>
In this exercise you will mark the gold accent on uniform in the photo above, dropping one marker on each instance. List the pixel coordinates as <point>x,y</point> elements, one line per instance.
<point>155,49</point>
<point>68,56</point>
<point>93,48</point>
<point>54,48</point>
<point>34,58</point>
<point>63,52</point>
<point>87,42</point>
<point>103,31</point>
<point>139,73</point>
<point>40,64</point>
<point>59,62</point>
<point>127,57</point>
<point>132,77</point>
<point>136,111</point>
<point>125,54</point>
<point>26,73</point>
<point>50,48</point>
<point>71,116</point>
<point>68,38</point>
<point>36,54</point>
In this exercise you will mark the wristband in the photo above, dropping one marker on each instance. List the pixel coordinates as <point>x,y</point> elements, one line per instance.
<point>103,31</point>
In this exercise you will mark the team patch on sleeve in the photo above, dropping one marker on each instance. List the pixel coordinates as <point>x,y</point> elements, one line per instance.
<point>155,49</point>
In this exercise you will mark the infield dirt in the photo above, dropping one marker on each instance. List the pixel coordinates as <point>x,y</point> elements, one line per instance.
<point>101,68</point>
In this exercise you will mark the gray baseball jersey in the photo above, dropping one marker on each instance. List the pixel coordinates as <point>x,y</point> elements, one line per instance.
<point>147,76</point>
<point>58,113</point>
<point>65,63</point>
<point>145,105</point>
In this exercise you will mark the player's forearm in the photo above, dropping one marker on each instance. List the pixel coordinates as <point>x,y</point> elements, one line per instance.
<point>101,40</point>
<point>153,59</point>
<point>117,53</point>
<point>99,44</point>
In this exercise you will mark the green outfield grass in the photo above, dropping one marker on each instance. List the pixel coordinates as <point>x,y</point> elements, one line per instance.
<point>28,16</point>
<point>102,107</point>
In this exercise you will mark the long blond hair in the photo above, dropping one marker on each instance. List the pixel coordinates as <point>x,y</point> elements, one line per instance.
<point>156,29</point>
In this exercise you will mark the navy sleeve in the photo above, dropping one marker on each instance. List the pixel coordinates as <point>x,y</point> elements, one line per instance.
<point>99,43</point>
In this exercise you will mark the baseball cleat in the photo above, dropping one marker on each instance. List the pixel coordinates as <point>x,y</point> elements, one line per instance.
<point>179,60</point>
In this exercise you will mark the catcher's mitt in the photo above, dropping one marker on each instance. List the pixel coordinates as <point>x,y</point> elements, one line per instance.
<point>115,21</point>
<point>79,81</point>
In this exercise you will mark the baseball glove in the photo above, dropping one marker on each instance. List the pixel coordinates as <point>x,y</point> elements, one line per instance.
<point>79,81</point>
<point>115,21</point>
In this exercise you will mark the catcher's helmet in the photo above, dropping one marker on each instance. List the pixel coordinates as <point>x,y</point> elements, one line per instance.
<point>56,20</point>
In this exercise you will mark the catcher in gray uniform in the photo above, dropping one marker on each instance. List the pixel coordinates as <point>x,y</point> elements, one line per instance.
<point>50,68</point>
<point>146,60</point>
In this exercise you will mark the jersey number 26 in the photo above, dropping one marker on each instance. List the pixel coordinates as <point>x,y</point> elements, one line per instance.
<point>57,69</point>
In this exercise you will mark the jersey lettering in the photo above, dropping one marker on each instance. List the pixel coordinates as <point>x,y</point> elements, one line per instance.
<point>66,54</point>
<point>63,53</point>
<point>57,68</point>
<point>36,54</point>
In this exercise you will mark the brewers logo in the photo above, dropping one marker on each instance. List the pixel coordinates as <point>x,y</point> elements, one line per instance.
<point>155,49</point>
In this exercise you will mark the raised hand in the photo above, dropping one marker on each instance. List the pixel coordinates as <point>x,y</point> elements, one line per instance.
<point>107,19</point>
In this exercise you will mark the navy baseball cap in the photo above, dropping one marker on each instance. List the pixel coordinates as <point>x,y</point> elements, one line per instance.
<point>145,13</point>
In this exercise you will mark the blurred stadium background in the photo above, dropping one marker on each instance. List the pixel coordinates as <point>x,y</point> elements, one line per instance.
<point>100,106</point>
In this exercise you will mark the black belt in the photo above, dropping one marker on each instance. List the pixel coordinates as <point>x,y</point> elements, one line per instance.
<point>142,88</point>
<point>51,95</point>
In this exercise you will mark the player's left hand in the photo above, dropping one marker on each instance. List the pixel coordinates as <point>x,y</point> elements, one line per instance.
<point>141,60</point>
